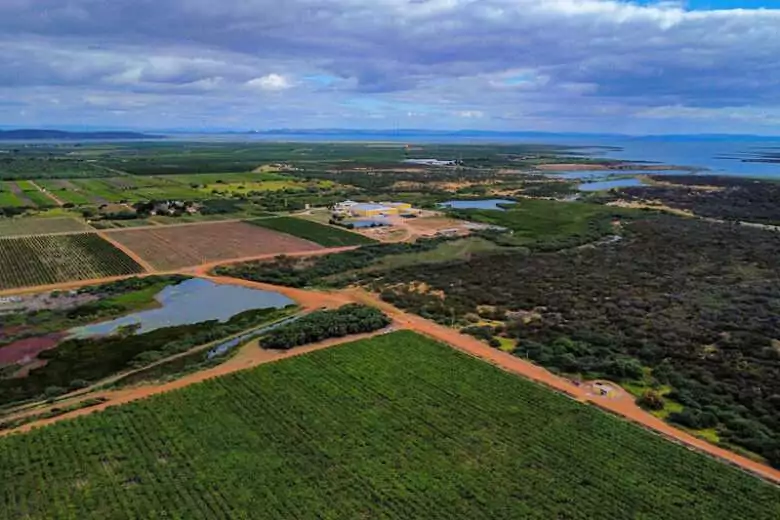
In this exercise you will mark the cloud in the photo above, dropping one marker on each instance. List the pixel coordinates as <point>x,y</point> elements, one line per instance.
<point>271,82</point>
<point>566,64</point>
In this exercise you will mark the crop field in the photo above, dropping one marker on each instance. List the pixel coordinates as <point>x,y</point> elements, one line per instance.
<point>184,246</point>
<point>49,259</point>
<point>40,226</point>
<point>393,427</point>
<point>26,167</point>
<point>322,234</point>
<point>34,195</point>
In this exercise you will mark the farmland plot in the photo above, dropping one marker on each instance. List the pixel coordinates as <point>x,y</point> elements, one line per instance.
<point>328,236</point>
<point>184,246</point>
<point>396,427</point>
<point>40,226</point>
<point>50,259</point>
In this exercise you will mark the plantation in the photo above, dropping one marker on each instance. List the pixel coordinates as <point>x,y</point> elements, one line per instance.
<point>327,236</point>
<point>39,226</point>
<point>50,259</point>
<point>393,427</point>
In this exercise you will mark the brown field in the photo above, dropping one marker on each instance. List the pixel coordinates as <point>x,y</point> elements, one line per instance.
<point>430,225</point>
<point>175,247</point>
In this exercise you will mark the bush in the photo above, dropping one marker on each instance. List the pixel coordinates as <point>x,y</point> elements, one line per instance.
<point>651,400</point>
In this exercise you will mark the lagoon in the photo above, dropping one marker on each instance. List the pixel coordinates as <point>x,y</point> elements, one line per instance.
<point>193,301</point>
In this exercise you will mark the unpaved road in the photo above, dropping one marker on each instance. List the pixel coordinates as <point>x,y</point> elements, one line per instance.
<point>200,270</point>
<point>623,406</point>
<point>251,356</point>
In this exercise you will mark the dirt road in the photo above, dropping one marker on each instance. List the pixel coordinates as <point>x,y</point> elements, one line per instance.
<point>49,194</point>
<point>200,270</point>
<point>249,356</point>
<point>129,252</point>
<point>623,405</point>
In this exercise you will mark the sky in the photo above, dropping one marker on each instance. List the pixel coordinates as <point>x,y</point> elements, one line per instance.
<point>616,66</point>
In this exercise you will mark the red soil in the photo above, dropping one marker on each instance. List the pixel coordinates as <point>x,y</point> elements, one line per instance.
<point>178,247</point>
<point>27,349</point>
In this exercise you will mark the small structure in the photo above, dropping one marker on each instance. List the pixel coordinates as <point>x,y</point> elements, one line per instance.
<point>430,162</point>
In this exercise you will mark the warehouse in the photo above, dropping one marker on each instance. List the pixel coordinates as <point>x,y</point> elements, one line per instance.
<point>372,210</point>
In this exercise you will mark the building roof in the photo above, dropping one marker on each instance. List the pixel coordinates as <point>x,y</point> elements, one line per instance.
<point>369,207</point>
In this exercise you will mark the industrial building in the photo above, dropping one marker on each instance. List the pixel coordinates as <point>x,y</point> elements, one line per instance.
<point>371,209</point>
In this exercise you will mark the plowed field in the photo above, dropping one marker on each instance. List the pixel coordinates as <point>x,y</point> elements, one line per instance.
<point>185,246</point>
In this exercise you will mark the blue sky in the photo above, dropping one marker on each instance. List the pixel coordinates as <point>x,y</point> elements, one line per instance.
<point>696,66</point>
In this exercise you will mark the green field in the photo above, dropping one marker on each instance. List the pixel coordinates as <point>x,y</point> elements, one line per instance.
<point>50,259</point>
<point>322,234</point>
<point>39,226</point>
<point>550,224</point>
<point>394,427</point>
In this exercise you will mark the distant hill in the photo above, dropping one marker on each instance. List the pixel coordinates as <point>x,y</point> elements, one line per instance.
<point>33,134</point>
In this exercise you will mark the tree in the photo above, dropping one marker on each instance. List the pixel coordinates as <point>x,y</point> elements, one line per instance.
<point>651,400</point>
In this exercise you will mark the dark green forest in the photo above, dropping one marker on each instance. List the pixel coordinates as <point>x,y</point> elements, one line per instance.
<point>684,304</point>
<point>322,325</point>
<point>748,200</point>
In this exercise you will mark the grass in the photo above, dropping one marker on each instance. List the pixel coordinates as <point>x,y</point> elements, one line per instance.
<point>324,235</point>
<point>9,199</point>
<point>137,300</point>
<point>454,250</point>
<point>393,427</point>
<point>535,220</point>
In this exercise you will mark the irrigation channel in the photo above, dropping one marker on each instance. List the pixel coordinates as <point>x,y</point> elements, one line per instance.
<point>226,346</point>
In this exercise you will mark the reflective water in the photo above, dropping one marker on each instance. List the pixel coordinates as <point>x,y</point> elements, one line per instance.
<point>606,185</point>
<point>476,204</point>
<point>230,344</point>
<point>193,301</point>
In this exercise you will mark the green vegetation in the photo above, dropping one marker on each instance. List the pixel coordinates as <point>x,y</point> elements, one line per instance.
<point>677,304</point>
<point>393,427</point>
<point>53,412</point>
<point>92,359</point>
<point>734,198</point>
<point>327,236</point>
<point>337,270</point>
<point>26,164</point>
<point>550,225</point>
<point>50,259</point>
<point>322,325</point>
<point>66,310</point>
<point>40,226</point>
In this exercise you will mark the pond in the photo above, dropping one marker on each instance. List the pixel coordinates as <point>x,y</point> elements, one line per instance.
<point>607,185</point>
<point>477,204</point>
<point>192,301</point>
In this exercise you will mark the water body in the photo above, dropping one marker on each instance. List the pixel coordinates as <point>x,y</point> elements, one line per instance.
<point>476,204</point>
<point>722,156</point>
<point>606,185</point>
<point>230,344</point>
<point>192,301</point>
<point>607,174</point>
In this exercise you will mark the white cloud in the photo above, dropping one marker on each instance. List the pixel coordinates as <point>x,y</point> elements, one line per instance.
<point>270,82</point>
